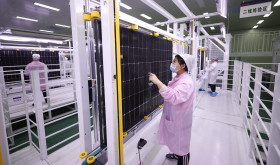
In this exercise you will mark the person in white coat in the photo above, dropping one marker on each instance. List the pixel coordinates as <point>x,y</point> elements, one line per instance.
<point>213,74</point>
<point>67,66</point>
<point>39,66</point>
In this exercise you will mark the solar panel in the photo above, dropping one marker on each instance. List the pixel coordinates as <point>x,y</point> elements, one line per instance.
<point>19,59</point>
<point>141,54</point>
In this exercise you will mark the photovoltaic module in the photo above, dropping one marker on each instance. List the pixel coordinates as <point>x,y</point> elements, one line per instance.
<point>140,54</point>
<point>16,60</point>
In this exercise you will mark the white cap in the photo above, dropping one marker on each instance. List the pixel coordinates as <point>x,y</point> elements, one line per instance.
<point>215,58</point>
<point>36,56</point>
<point>189,60</point>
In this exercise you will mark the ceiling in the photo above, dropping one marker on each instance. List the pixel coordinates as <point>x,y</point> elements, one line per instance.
<point>47,19</point>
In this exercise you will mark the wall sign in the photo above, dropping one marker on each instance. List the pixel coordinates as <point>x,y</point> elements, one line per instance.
<point>255,8</point>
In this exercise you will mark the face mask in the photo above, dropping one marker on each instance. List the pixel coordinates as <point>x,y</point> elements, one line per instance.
<point>173,68</point>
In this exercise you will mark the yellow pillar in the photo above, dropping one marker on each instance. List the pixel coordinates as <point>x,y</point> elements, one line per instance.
<point>1,161</point>
<point>191,47</point>
<point>119,83</point>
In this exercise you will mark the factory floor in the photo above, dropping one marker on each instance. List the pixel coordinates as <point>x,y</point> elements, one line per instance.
<point>217,135</point>
<point>217,139</point>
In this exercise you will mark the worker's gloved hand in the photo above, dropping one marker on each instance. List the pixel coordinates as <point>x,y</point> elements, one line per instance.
<point>153,78</point>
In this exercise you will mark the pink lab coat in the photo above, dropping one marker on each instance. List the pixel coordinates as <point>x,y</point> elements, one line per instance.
<point>176,120</point>
<point>37,65</point>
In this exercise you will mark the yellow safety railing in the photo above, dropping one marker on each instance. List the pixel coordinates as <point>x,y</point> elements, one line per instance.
<point>1,161</point>
<point>119,81</point>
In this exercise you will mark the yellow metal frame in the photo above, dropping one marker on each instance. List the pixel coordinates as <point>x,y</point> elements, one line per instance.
<point>135,27</point>
<point>119,81</point>
<point>86,17</point>
<point>201,49</point>
<point>94,14</point>
<point>1,161</point>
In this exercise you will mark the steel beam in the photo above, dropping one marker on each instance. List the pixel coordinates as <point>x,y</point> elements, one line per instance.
<point>80,70</point>
<point>186,19</point>
<point>158,8</point>
<point>110,83</point>
<point>133,20</point>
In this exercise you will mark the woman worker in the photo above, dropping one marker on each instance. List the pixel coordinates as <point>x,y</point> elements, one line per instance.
<point>176,120</point>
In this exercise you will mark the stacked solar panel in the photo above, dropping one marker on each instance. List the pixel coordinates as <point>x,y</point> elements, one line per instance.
<point>19,59</point>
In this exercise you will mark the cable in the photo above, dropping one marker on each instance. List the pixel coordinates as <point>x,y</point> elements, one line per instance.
<point>139,156</point>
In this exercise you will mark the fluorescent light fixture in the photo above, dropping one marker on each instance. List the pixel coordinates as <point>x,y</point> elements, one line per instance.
<point>159,23</point>
<point>206,14</point>
<point>27,19</point>
<point>267,15</point>
<point>46,31</point>
<point>125,6</point>
<point>256,26</point>
<point>145,16</point>
<point>46,6</point>
<point>277,3</point>
<point>29,39</point>
<point>62,25</point>
<point>8,31</point>
<point>260,22</point>
<point>223,30</point>
<point>212,28</point>
<point>152,4</point>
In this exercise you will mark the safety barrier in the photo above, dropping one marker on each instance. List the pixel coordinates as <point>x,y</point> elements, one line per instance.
<point>253,42</point>
<point>256,91</point>
<point>23,106</point>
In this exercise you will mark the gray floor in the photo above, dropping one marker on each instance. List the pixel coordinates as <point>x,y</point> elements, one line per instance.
<point>217,139</point>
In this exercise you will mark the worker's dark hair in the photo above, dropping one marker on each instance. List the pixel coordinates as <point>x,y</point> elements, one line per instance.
<point>181,62</point>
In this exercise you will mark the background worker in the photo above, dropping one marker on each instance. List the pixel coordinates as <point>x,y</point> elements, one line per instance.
<point>213,74</point>
<point>37,65</point>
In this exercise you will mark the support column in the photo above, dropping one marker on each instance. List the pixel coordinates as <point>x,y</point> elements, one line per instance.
<point>175,46</point>
<point>4,149</point>
<point>226,61</point>
<point>110,84</point>
<point>256,108</point>
<point>181,47</point>
<point>245,92</point>
<point>195,43</point>
<point>168,28</point>
<point>80,73</point>
<point>38,106</point>
<point>274,143</point>
<point>194,48</point>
